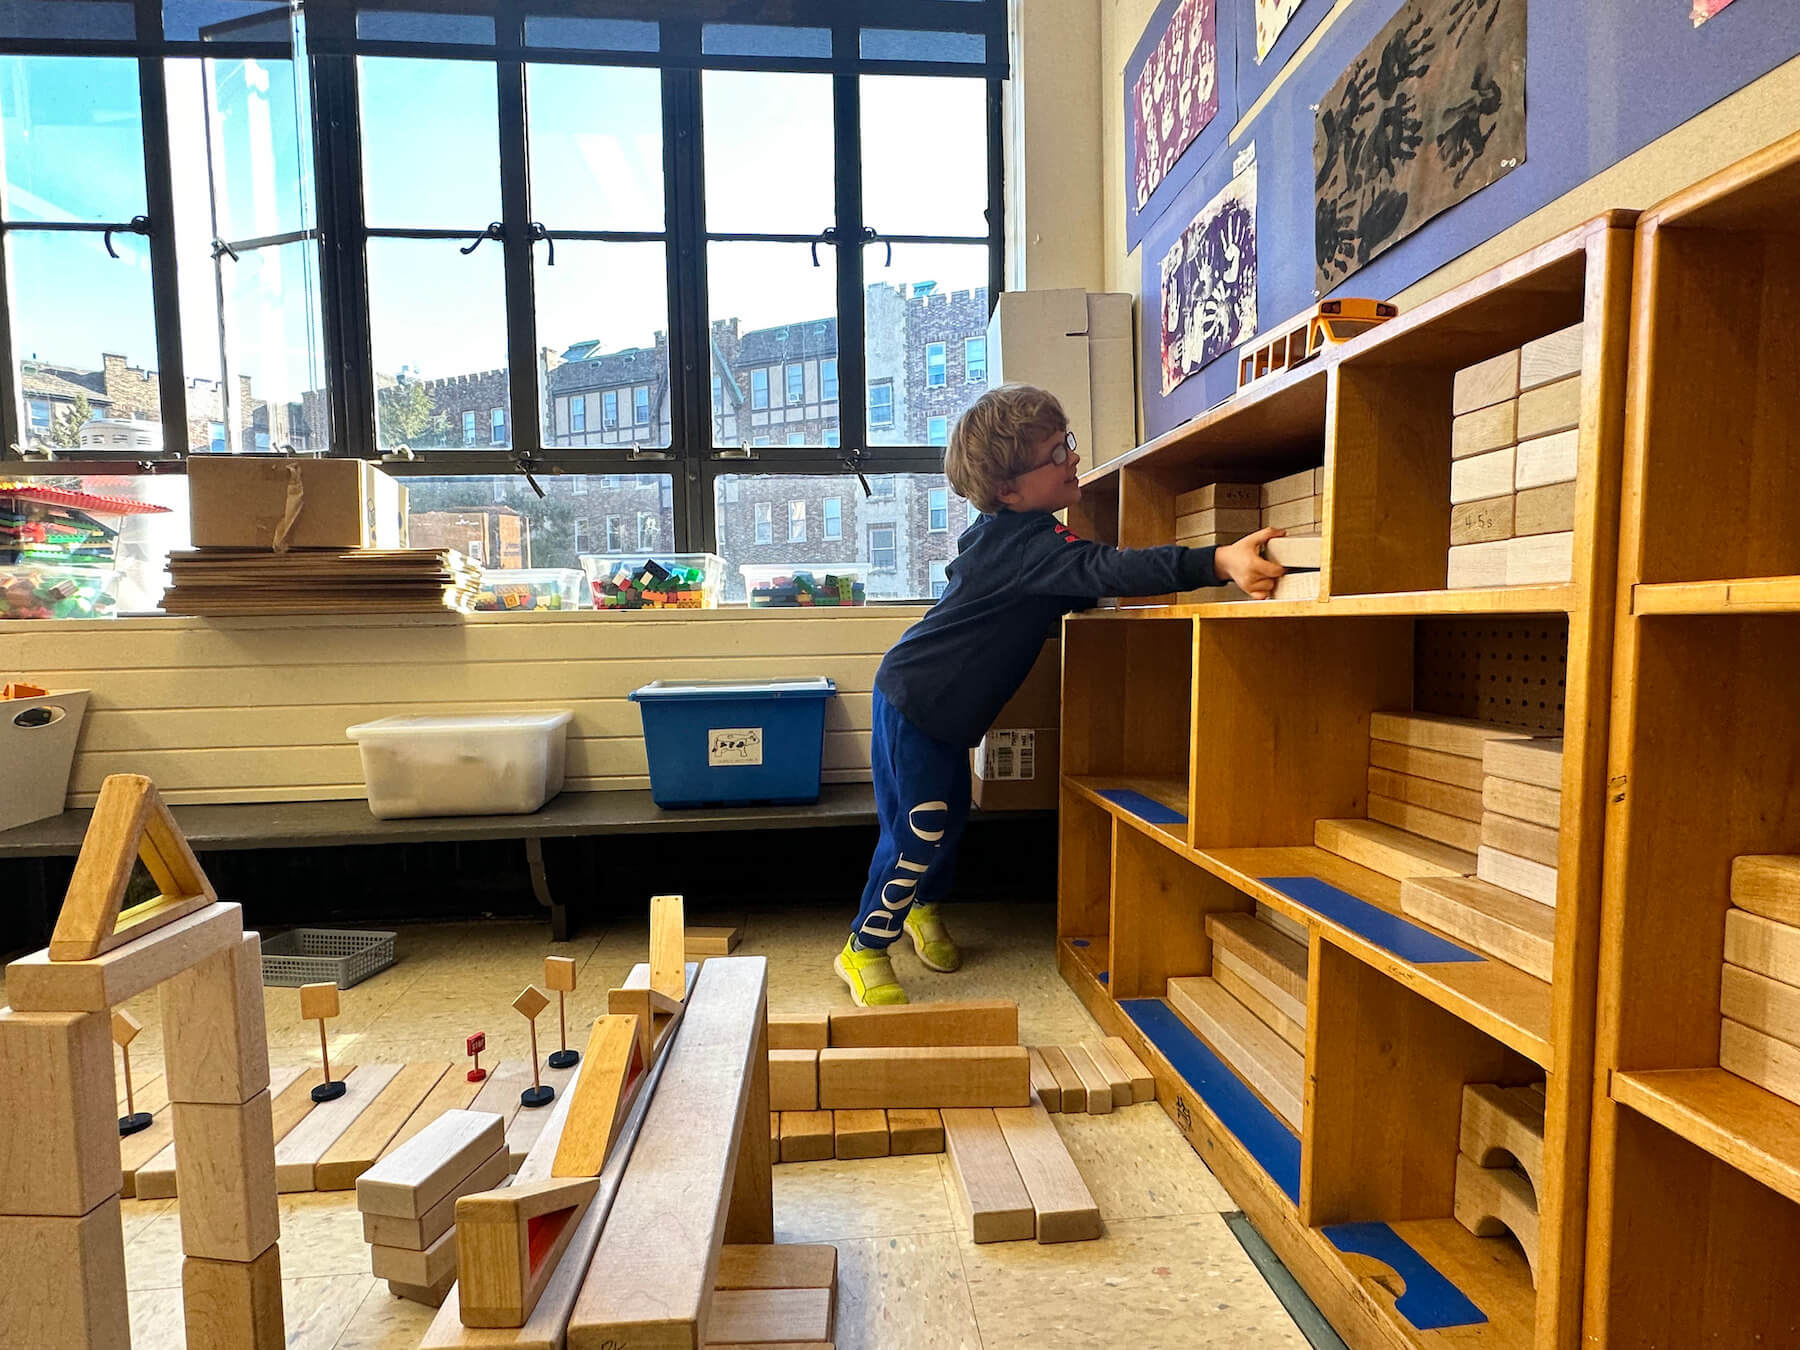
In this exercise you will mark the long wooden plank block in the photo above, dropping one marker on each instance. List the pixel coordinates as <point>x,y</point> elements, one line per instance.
<point>297,1156</point>
<point>1522,801</point>
<point>1261,1058</point>
<point>1539,843</point>
<point>358,1148</point>
<point>1760,1003</point>
<point>945,1075</point>
<point>418,1234</point>
<point>1109,1070</point>
<point>1096,1085</point>
<point>915,1130</point>
<point>1143,1083</point>
<point>1459,771</point>
<point>652,1275</point>
<point>36,984</point>
<point>1762,945</point>
<point>1429,824</point>
<point>1231,979</point>
<point>1767,885</point>
<point>526,1126</point>
<point>668,945</point>
<point>784,1265</point>
<point>771,1316</point>
<point>454,1092</point>
<point>1520,875</point>
<point>1070,1088</point>
<point>1462,803</point>
<point>1514,928</point>
<point>971,1022</point>
<point>1537,762</point>
<point>1064,1206</point>
<point>155,1178</point>
<point>499,1095</point>
<point>987,1180</point>
<point>1393,853</point>
<point>1447,735</point>
<point>1765,1061</point>
<point>1043,1082</point>
<point>1272,955</point>
<point>412,1181</point>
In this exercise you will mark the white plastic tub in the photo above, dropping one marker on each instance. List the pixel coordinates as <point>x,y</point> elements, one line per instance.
<point>485,764</point>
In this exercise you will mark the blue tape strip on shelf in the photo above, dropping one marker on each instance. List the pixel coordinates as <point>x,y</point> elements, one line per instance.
<point>1405,940</point>
<point>1143,807</point>
<point>1430,1302</point>
<point>1239,1110</point>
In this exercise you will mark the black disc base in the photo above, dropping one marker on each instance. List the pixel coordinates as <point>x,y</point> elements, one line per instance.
<point>132,1124</point>
<point>564,1059</point>
<point>542,1095</point>
<point>329,1092</point>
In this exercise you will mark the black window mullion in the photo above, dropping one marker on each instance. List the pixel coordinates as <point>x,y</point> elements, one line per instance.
<point>344,280</point>
<point>11,406</point>
<point>690,325</point>
<point>159,204</point>
<point>853,389</point>
<point>996,211</point>
<point>527,429</point>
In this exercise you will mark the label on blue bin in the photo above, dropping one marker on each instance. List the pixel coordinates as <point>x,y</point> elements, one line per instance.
<point>731,747</point>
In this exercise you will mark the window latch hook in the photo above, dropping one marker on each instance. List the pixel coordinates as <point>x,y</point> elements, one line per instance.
<point>494,231</point>
<point>538,232</point>
<point>137,225</point>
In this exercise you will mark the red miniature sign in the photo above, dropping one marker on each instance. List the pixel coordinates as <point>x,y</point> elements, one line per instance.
<point>475,1044</point>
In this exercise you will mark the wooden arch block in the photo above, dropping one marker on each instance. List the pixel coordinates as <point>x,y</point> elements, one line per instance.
<point>508,1244</point>
<point>611,1068</point>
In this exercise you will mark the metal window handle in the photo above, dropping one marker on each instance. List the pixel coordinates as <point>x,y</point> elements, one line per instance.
<point>870,236</point>
<point>828,235</point>
<point>852,460</point>
<point>538,232</point>
<point>221,249</point>
<point>137,225</point>
<point>495,230</point>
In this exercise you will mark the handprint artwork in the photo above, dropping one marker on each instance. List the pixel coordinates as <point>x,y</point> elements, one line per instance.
<point>1175,96</point>
<point>1432,111</point>
<point>1209,283</point>
<point>1271,17</point>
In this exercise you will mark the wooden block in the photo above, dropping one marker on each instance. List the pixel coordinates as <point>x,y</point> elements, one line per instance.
<point>1482,476</point>
<point>421,1269</point>
<point>1220,496</point>
<point>799,1031</point>
<point>225,1175</point>
<point>1763,945</point>
<point>297,1154</point>
<point>1522,801</point>
<point>1551,358</point>
<point>786,1265</point>
<point>1540,559</point>
<point>1499,922</point>
<point>431,1295</point>
<point>1292,1010</point>
<point>1393,853</point>
<point>1207,540</point>
<point>1291,551</point>
<point>1490,428</point>
<point>1296,586</point>
<point>716,941</point>
<point>775,1135</point>
<point>1261,1058</point>
<point>1063,1206</point>
<point>860,1134</point>
<point>1539,843</point>
<point>508,1243</point>
<point>1504,1126</point>
<point>1290,488</point>
<point>1545,510</point>
<point>1272,956</point>
<point>1074,1091</point>
<point>357,1149</point>
<point>35,983</point>
<point>1430,731</point>
<point>668,946</point>
<point>1281,923</point>
<point>1769,1063</point>
<point>1229,974</point>
<point>1236,522</point>
<point>59,1149</point>
<point>1095,1084</point>
<point>530,1003</point>
<point>1547,459</point>
<point>807,1136</point>
<point>1486,383</point>
<point>1535,762</point>
<point>1109,1070</point>
<point>611,1070</point>
<point>68,1286</point>
<point>767,1317</point>
<point>318,1001</point>
<point>1292,515</point>
<point>1476,566</point>
<point>1490,1200</point>
<point>992,1021</point>
<point>453,1092</point>
<point>988,1184</point>
<point>794,1080</point>
<point>1767,885</point>
<point>915,1130</point>
<point>1462,803</point>
<point>413,1178</point>
<point>1550,408</point>
<point>945,1075</point>
<point>1484,521</point>
<point>1457,770</point>
<point>1513,873</point>
<point>154,1177</point>
<point>1043,1083</point>
<point>233,1305</point>
<point>418,1234</point>
<point>215,1045</point>
<point>1143,1084</point>
<point>1423,821</point>
<point>559,974</point>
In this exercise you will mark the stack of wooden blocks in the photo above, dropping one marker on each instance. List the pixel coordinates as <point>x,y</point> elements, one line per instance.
<point>1514,449</point>
<point>408,1200</point>
<point>1500,1164</point>
<point>1759,995</point>
<point>1252,1009</point>
<point>1090,1078</point>
<point>1223,513</point>
<point>1521,819</point>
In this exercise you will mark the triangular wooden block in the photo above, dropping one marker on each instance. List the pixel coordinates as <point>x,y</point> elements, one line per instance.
<point>129,823</point>
<point>508,1244</point>
<point>654,1013</point>
<point>610,1071</point>
<point>668,946</point>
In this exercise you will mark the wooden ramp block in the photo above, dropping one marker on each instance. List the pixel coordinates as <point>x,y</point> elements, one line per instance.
<point>668,946</point>
<point>794,1080</point>
<point>1760,1003</point>
<point>1536,763</point>
<point>1393,853</point>
<point>807,1136</point>
<point>1537,843</point>
<point>417,1234</point>
<point>233,1305</point>
<point>59,1147</point>
<point>1043,1083</point>
<point>947,1075</point>
<point>768,1317</point>
<point>1143,1083</point>
<point>215,1045</point>
<point>799,1031</point>
<point>422,1269</point>
<point>1520,875</point>
<point>1068,1082</point>
<point>412,1179</point>
<point>784,1265</point>
<point>1767,885</point>
<point>1426,823</point>
<point>987,1180</point>
<point>1261,1058</point>
<point>1096,1086</point>
<point>1064,1208</point>
<point>67,1288</point>
<point>1522,801</point>
<point>1486,383</point>
<point>860,1134</point>
<point>915,1130</point>
<point>1551,358</point>
<point>1463,803</point>
<point>35,983</point>
<point>1492,1200</point>
<point>1446,735</point>
<point>1231,979</point>
<point>1116,1077</point>
<point>1501,923</point>
<point>1270,955</point>
<point>367,1138</point>
<point>508,1243</point>
<point>225,1175</point>
<point>297,1155</point>
<point>611,1069</point>
<point>1762,945</point>
<point>1504,1126</point>
<point>1765,1061</point>
<point>971,1022</point>
<point>714,941</point>
<point>1460,771</point>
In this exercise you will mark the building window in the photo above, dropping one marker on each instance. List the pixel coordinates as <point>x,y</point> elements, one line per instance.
<point>497,420</point>
<point>831,437</point>
<point>796,438</point>
<point>936,367</point>
<point>759,388</point>
<point>796,522</point>
<point>881,485</point>
<point>834,517</point>
<point>578,415</point>
<point>615,538</point>
<point>939,510</point>
<point>765,523</point>
<point>718,395</point>
<point>760,440</point>
<point>468,420</point>
<point>828,386</point>
<point>881,403</point>
<point>609,410</point>
<point>649,528</point>
<point>262,442</point>
<point>216,437</point>
<point>975,359</point>
<point>40,414</point>
<point>939,578</point>
<point>580,537</point>
<point>796,383</point>
<point>731,489</point>
<point>610,480</point>
<point>640,405</point>
<point>881,548</point>
<point>937,431</point>
<point>578,486</point>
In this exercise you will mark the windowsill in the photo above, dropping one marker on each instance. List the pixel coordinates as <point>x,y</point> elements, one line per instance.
<point>885,609</point>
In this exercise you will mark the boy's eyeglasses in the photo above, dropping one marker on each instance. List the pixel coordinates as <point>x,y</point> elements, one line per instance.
<point>1059,453</point>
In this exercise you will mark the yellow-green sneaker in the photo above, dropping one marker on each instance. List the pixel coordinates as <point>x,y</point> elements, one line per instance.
<point>931,940</point>
<point>870,976</point>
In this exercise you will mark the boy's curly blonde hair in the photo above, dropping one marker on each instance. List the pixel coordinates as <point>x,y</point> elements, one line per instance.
<point>995,440</point>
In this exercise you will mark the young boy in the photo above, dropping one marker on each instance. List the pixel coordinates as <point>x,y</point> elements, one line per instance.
<point>1016,572</point>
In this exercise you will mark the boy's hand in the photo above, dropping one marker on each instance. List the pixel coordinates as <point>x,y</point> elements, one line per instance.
<point>1244,564</point>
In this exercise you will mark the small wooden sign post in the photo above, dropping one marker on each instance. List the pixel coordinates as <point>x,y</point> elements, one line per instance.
<point>559,974</point>
<point>125,1028</point>
<point>529,1004</point>
<point>318,1002</point>
<point>473,1047</point>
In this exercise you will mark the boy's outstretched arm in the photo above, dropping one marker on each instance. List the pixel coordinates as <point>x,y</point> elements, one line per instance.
<point>1060,563</point>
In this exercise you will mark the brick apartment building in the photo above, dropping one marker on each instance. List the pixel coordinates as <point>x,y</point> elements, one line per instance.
<point>126,404</point>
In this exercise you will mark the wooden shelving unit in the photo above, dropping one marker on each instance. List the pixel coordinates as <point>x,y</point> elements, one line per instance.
<point>1695,1206</point>
<point>1201,743</point>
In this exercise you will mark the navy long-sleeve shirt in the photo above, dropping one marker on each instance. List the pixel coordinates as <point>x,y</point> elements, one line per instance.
<point>1015,574</point>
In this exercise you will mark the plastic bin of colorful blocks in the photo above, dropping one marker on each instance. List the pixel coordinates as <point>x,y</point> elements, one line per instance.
<point>804,585</point>
<point>28,592</point>
<point>524,590</point>
<point>661,581</point>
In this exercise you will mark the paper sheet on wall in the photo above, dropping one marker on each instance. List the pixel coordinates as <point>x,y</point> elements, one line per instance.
<point>1272,16</point>
<point>1208,289</point>
<point>1176,94</point>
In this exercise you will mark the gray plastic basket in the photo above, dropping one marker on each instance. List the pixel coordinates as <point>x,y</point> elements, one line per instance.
<point>326,955</point>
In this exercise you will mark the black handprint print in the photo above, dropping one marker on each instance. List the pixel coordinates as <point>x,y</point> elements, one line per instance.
<point>1395,139</point>
<point>1341,131</point>
<point>1463,140</point>
<point>1465,16</point>
<point>1404,56</point>
<point>1333,240</point>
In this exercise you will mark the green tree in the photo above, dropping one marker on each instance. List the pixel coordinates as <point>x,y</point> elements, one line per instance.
<point>408,418</point>
<point>65,430</point>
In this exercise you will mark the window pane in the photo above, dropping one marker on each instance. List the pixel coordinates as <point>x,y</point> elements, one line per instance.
<point>261,151</point>
<point>226,20</point>
<point>194,268</point>
<point>73,140</point>
<point>924,155</point>
<point>431,143</point>
<point>773,313</point>
<point>598,35</point>
<point>596,147</point>
<point>274,339</point>
<point>437,326</point>
<point>905,44</point>
<point>412,26</point>
<point>768,153</point>
<point>755,39</point>
<point>90,19</point>
<point>603,323</point>
<point>920,313</point>
<point>502,523</point>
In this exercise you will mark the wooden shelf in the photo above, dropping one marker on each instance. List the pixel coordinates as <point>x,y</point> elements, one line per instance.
<point>1491,1272</point>
<point>1091,953</point>
<point>1420,604</point>
<point>1734,1120</point>
<point>1169,792</point>
<point>1746,595</point>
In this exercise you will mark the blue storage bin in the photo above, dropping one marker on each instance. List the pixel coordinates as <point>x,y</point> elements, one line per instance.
<point>730,742</point>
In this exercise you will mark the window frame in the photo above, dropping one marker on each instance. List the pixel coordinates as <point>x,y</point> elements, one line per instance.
<point>831,510</point>
<point>943,365</point>
<point>968,369</point>
<point>762,522</point>
<point>892,550</point>
<point>933,510</point>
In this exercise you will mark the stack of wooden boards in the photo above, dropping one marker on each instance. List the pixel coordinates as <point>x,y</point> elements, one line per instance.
<point>1500,1164</point>
<point>1514,448</point>
<point>1090,1078</point>
<point>1223,513</point>
<point>228,582</point>
<point>1252,1009</point>
<point>1759,995</point>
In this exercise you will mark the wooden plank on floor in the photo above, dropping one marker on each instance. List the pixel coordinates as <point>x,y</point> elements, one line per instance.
<point>454,1092</point>
<point>987,1180</point>
<point>1095,1084</point>
<point>1064,1206</point>
<point>993,1021</point>
<point>1071,1089</point>
<point>1143,1082</point>
<point>944,1075</point>
<point>297,1155</point>
<point>783,1265</point>
<point>1109,1070</point>
<point>155,1178</point>
<point>528,1124</point>
<point>357,1149</point>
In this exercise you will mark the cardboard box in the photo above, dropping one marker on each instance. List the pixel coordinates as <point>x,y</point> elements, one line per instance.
<point>37,747</point>
<point>1016,769</point>
<point>239,501</point>
<point>1078,345</point>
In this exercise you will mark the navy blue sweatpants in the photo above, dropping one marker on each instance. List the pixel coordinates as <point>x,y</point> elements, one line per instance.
<point>922,797</point>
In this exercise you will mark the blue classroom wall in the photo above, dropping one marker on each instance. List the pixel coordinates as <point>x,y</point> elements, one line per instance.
<point>1603,79</point>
